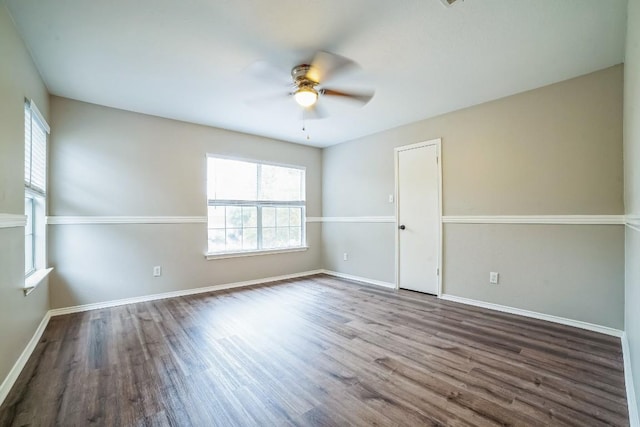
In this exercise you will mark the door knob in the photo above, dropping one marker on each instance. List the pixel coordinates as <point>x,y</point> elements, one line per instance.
<point>402,227</point>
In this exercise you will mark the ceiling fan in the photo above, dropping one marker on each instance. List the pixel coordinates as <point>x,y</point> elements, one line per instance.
<point>309,80</point>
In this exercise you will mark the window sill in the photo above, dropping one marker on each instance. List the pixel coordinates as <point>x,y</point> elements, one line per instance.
<point>31,282</point>
<point>211,256</point>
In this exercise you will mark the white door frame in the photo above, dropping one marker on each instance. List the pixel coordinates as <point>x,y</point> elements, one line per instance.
<point>397,150</point>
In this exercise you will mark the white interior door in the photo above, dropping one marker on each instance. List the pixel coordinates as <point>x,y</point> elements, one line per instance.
<point>418,216</point>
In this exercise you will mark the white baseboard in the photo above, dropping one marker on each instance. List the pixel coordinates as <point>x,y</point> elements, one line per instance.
<point>535,315</point>
<point>11,378</point>
<point>634,418</point>
<point>15,371</point>
<point>360,279</point>
<point>172,294</point>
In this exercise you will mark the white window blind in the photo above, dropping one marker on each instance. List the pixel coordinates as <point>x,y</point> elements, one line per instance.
<point>27,144</point>
<point>35,149</point>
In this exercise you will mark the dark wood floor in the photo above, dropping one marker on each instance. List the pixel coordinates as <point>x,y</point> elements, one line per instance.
<point>315,351</point>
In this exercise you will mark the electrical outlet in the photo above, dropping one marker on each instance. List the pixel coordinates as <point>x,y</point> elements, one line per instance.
<point>345,256</point>
<point>157,271</point>
<point>493,278</point>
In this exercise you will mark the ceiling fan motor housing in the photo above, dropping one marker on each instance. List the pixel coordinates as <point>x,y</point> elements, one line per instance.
<point>299,74</point>
<point>307,77</point>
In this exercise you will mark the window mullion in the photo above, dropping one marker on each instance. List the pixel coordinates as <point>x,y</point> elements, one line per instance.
<point>225,228</point>
<point>259,225</point>
<point>33,234</point>
<point>259,207</point>
<point>303,226</point>
<point>259,183</point>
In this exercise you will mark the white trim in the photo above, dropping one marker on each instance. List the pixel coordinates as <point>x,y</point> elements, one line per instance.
<point>253,160</point>
<point>360,279</point>
<point>173,294</point>
<point>211,256</point>
<point>438,143</point>
<point>633,222</point>
<point>39,116</point>
<point>74,220</point>
<point>536,219</point>
<point>13,374</point>
<point>351,219</point>
<point>535,315</point>
<point>12,220</point>
<point>15,371</point>
<point>34,279</point>
<point>634,418</point>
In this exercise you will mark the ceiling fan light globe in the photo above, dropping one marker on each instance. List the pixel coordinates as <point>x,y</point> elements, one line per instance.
<point>306,97</point>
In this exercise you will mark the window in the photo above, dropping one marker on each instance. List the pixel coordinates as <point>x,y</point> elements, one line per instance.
<point>254,206</point>
<point>35,173</point>
<point>29,257</point>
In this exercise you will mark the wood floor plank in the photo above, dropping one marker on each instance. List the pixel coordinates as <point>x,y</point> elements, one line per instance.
<point>316,351</point>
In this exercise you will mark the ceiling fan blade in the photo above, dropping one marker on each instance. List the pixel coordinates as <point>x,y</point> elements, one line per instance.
<point>362,97</point>
<point>268,72</point>
<point>315,112</point>
<point>326,65</point>
<point>263,101</point>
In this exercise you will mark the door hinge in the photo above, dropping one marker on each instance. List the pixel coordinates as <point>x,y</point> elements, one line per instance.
<point>437,271</point>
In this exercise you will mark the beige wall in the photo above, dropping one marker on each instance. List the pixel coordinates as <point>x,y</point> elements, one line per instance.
<point>556,150</point>
<point>19,79</point>
<point>370,248</point>
<point>632,187</point>
<point>108,162</point>
<point>570,271</point>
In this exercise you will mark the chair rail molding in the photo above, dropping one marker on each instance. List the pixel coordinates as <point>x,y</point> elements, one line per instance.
<point>633,222</point>
<point>75,220</point>
<point>360,219</point>
<point>12,220</point>
<point>536,219</point>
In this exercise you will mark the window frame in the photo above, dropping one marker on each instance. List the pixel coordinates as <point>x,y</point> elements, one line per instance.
<point>37,195</point>
<point>259,205</point>
<point>30,230</point>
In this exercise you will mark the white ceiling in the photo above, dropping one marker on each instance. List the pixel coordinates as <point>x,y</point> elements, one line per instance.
<point>187,59</point>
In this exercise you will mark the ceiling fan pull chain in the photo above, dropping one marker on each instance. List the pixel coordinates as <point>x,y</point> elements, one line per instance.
<point>304,128</point>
